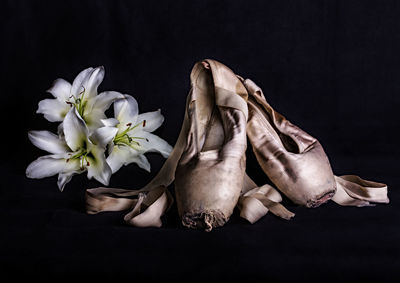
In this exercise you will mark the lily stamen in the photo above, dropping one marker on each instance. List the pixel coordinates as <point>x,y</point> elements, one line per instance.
<point>124,134</point>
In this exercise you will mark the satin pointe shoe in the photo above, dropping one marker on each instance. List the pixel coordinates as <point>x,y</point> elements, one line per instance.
<point>296,162</point>
<point>292,159</point>
<point>209,176</point>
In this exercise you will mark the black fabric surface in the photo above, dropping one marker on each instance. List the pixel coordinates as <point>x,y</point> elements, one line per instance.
<point>331,67</point>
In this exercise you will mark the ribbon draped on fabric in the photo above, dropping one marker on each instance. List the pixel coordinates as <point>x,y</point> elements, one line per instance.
<point>147,205</point>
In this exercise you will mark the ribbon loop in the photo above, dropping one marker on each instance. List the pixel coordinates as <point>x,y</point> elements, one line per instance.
<point>255,202</point>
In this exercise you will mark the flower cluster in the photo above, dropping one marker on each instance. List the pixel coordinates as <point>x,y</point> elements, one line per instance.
<point>85,134</point>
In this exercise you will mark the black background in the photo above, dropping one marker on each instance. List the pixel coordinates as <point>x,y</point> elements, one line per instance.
<point>331,67</point>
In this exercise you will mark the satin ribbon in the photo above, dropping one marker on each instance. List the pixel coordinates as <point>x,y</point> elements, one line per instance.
<point>255,202</point>
<point>351,190</point>
<point>147,207</point>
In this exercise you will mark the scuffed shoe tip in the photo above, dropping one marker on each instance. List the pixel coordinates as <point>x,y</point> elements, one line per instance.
<point>206,220</point>
<point>314,203</point>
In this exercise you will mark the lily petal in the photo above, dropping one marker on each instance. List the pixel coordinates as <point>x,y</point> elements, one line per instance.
<point>142,162</point>
<point>153,143</point>
<point>93,81</point>
<point>53,109</point>
<point>94,119</point>
<point>48,141</point>
<point>64,178</point>
<point>124,155</point>
<point>104,100</point>
<point>98,168</point>
<point>126,109</point>
<point>60,130</point>
<point>102,136</point>
<point>75,130</point>
<point>110,122</point>
<point>61,89</point>
<point>77,85</point>
<point>120,155</point>
<point>50,165</point>
<point>153,120</point>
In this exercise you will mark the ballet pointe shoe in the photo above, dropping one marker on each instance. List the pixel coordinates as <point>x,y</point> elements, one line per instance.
<point>296,162</point>
<point>209,176</point>
<point>293,160</point>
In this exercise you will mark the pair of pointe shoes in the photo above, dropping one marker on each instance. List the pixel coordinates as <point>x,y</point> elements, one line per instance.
<point>208,162</point>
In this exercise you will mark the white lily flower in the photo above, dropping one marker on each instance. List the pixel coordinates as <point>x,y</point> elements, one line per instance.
<point>72,153</point>
<point>133,137</point>
<point>83,95</point>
